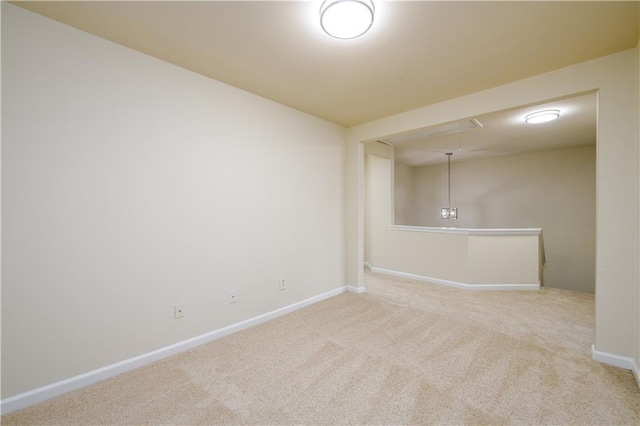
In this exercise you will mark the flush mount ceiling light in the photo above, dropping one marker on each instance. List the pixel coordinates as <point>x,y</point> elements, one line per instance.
<point>346,18</point>
<point>542,116</point>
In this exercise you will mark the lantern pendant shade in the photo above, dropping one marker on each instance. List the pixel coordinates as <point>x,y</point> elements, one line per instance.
<point>449,213</point>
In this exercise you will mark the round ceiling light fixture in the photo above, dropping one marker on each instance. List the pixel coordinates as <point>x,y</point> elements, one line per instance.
<point>346,19</point>
<point>542,116</point>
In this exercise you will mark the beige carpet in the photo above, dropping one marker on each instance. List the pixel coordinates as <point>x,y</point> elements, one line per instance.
<point>404,353</point>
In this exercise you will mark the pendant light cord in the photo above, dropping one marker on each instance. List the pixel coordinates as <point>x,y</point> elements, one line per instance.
<point>449,154</point>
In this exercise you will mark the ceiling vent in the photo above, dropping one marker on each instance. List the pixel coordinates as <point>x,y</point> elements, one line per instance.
<point>438,130</point>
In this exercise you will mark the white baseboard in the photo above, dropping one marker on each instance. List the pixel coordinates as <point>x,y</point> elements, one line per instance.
<point>367,265</point>
<point>614,360</point>
<point>617,361</point>
<point>458,284</point>
<point>356,290</point>
<point>43,393</point>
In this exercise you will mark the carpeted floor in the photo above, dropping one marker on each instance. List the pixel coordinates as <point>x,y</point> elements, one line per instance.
<point>405,352</point>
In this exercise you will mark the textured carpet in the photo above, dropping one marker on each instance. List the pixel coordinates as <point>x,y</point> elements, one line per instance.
<point>404,353</point>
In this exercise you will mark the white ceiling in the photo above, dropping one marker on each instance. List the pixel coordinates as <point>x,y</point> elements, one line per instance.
<point>504,133</point>
<point>416,54</point>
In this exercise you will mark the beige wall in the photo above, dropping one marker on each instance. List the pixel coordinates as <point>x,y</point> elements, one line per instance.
<point>403,194</point>
<point>380,150</point>
<point>615,78</point>
<point>130,185</point>
<point>407,252</point>
<point>637,321</point>
<point>523,191</point>
<point>462,259</point>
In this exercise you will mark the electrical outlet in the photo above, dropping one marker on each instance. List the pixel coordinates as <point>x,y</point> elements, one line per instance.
<point>178,311</point>
<point>283,284</point>
<point>233,296</point>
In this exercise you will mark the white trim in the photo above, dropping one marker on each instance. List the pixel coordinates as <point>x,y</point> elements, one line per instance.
<point>356,290</point>
<point>43,393</point>
<point>456,284</point>
<point>614,360</point>
<point>636,372</point>
<point>367,265</point>
<point>468,231</point>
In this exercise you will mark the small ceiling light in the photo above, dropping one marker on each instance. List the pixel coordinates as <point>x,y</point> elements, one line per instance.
<point>542,116</point>
<point>449,212</point>
<point>346,18</point>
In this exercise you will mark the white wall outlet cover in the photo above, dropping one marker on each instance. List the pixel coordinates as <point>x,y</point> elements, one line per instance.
<point>233,296</point>
<point>178,311</point>
<point>283,284</point>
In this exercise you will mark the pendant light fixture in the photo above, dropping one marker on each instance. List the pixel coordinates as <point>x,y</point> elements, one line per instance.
<point>449,212</point>
<point>346,19</point>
